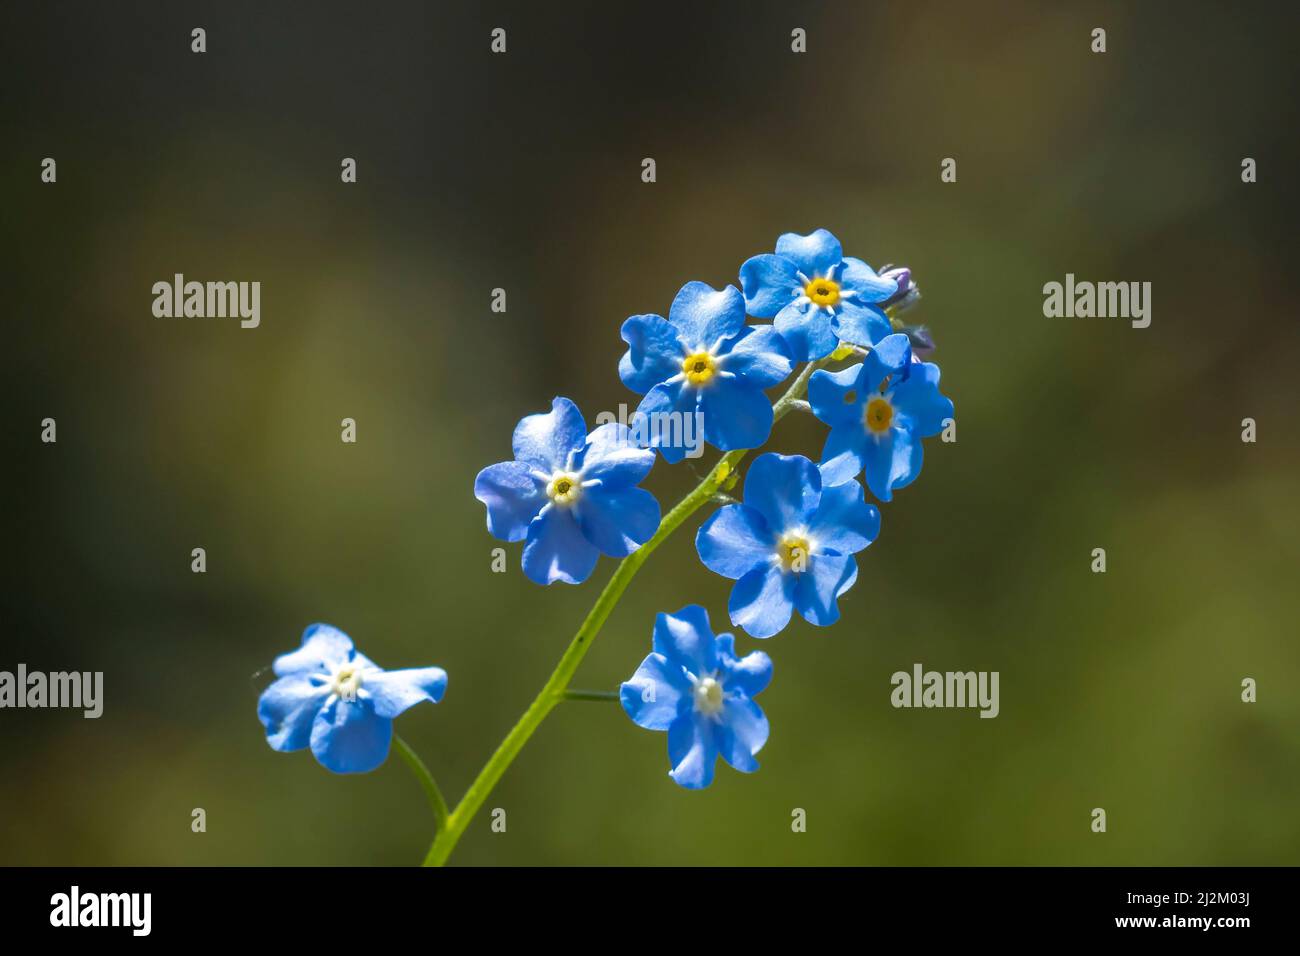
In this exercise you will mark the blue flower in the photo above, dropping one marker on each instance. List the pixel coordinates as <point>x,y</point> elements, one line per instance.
<point>817,295</point>
<point>337,701</point>
<point>693,686</point>
<point>703,358</point>
<point>569,495</point>
<point>878,413</point>
<point>790,545</point>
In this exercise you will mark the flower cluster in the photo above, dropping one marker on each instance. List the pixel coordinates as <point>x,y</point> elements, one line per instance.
<point>790,544</point>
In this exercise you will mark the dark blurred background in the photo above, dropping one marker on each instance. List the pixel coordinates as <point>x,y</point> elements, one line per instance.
<point>1118,690</point>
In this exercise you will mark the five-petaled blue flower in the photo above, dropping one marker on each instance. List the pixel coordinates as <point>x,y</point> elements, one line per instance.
<point>693,686</point>
<point>703,358</point>
<point>790,545</point>
<point>878,413</point>
<point>817,295</point>
<point>569,495</point>
<point>334,699</point>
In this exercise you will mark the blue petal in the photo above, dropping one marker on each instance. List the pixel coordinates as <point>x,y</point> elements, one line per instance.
<point>678,404</point>
<point>760,357</point>
<point>762,601</point>
<point>287,709</point>
<point>860,324</point>
<point>742,733</point>
<point>784,489</point>
<point>613,457</point>
<point>736,414</point>
<point>394,691</point>
<point>890,356</point>
<point>654,352</point>
<point>908,457</point>
<point>828,576</point>
<point>815,254</point>
<point>513,495</point>
<point>749,674</point>
<point>770,283</point>
<point>692,751</point>
<point>703,316</point>
<point>918,398</point>
<point>844,521</point>
<point>557,550</point>
<point>734,541</point>
<point>807,331</point>
<point>892,461</point>
<point>837,397</point>
<point>845,454</point>
<point>349,737</point>
<point>670,685</point>
<point>686,639</point>
<point>862,279</point>
<point>618,522</point>
<point>547,440</point>
<point>324,650</point>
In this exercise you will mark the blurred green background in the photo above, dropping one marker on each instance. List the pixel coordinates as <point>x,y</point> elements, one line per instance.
<point>522,171</point>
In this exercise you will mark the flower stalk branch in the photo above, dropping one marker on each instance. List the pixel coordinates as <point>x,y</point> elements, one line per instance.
<point>592,695</point>
<point>436,801</point>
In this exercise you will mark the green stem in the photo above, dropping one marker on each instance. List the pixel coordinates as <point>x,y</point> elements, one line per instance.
<point>556,686</point>
<point>436,802</point>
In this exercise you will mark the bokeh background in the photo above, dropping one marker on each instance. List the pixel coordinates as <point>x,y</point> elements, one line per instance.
<point>522,171</point>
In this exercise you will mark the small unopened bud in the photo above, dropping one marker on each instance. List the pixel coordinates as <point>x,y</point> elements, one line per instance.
<point>907,293</point>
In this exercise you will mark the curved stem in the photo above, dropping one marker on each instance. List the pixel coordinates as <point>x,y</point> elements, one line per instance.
<point>556,686</point>
<point>436,802</point>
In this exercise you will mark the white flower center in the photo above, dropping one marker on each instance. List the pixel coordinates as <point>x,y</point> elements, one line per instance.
<point>708,696</point>
<point>346,681</point>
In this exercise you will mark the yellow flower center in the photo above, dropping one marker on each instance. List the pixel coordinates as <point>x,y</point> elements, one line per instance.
<point>564,488</point>
<point>793,552</point>
<point>708,696</point>
<point>699,367</point>
<point>879,415</point>
<point>822,292</point>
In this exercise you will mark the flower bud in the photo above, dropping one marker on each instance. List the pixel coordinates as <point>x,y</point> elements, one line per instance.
<point>907,293</point>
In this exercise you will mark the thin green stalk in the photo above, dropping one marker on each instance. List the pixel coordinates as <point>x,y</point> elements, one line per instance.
<point>556,686</point>
<point>436,802</point>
